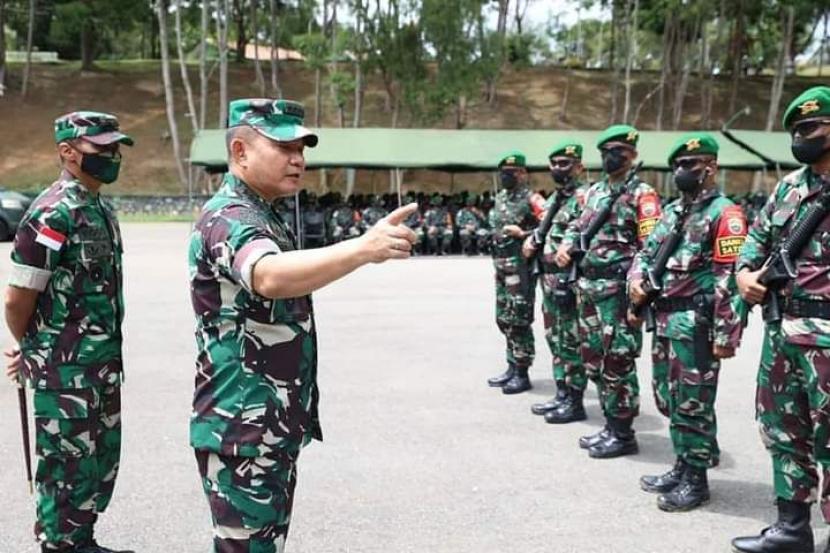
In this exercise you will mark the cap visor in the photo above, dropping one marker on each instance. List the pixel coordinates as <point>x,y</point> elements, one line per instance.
<point>107,138</point>
<point>290,133</point>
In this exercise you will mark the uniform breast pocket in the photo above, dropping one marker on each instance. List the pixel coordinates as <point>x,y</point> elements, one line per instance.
<point>97,262</point>
<point>291,310</point>
<point>687,257</point>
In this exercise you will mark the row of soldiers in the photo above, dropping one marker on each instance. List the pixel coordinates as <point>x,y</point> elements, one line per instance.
<point>613,259</point>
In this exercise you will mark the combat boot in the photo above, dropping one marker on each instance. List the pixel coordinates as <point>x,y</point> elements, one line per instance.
<point>570,410</point>
<point>665,482</point>
<point>552,403</point>
<point>620,441</point>
<point>503,378</point>
<point>691,493</point>
<point>519,383</point>
<point>587,442</point>
<point>791,533</point>
<point>95,548</point>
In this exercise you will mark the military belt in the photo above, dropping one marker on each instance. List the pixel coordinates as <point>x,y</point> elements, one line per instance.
<point>615,272</point>
<point>807,308</point>
<point>686,303</point>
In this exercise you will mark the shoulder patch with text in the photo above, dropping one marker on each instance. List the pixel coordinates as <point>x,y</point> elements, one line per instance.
<point>730,235</point>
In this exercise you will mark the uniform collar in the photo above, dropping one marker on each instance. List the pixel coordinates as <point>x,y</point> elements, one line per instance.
<point>810,184</point>
<point>237,187</point>
<point>80,191</point>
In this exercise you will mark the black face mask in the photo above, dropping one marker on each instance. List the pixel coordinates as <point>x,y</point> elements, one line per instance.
<point>613,160</point>
<point>508,179</point>
<point>689,180</point>
<point>561,177</point>
<point>809,150</point>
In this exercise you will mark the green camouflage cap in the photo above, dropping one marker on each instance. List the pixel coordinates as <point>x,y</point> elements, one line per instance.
<point>619,133</point>
<point>514,158</point>
<point>694,144</point>
<point>93,126</point>
<point>567,148</point>
<point>279,120</point>
<point>813,102</point>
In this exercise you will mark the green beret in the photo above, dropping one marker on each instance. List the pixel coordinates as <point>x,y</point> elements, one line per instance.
<point>93,126</point>
<point>619,133</point>
<point>694,144</point>
<point>279,120</point>
<point>813,102</point>
<point>567,148</point>
<point>513,159</point>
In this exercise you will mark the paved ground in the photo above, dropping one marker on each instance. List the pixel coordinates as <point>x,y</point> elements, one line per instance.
<point>420,455</point>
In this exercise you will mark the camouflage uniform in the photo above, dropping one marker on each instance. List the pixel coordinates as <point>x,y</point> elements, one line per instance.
<point>792,394</point>
<point>438,225</point>
<point>608,344</point>
<point>342,224</point>
<point>255,402</point>
<point>415,222</point>
<point>372,214</point>
<point>515,285</point>
<point>68,247</point>
<point>701,267</point>
<point>561,324</point>
<point>471,229</point>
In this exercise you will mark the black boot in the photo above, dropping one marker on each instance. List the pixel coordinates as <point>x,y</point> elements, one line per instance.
<point>552,403</point>
<point>587,442</point>
<point>570,410</point>
<point>503,378</point>
<point>620,441</point>
<point>691,493</point>
<point>791,533</point>
<point>665,482</point>
<point>519,383</point>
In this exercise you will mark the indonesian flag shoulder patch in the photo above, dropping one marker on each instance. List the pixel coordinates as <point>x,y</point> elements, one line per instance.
<point>730,235</point>
<point>52,239</point>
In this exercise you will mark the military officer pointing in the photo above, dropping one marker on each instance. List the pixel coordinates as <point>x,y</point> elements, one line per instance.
<point>64,306</point>
<point>255,402</point>
<point>688,264</point>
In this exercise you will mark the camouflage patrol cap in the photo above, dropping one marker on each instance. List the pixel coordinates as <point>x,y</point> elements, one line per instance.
<point>694,144</point>
<point>93,126</point>
<point>619,133</point>
<point>514,158</point>
<point>813,102</point>
<point>279,120</point>
<point>567,148</point>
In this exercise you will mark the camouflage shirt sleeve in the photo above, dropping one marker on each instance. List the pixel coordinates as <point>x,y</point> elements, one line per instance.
<point>38,246</point>
<point>644,257</point>
<point>729,236</point>
<point>757,245</point>
<point>236,240</point>
<point>572,234</point>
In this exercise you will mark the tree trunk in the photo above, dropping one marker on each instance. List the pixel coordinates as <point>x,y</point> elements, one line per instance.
<point>161,13</point>
<point>260,78</point>
<point>241,42</point>
<point>501,33</point>
<point>191,104</point>
<point>222,22</point>
<point>615,79</point>
<point>2,48</point>
<point>87,47</point>
<point>27,69</point>
<point>821,50</point>
<point>787,22</point>
<point>685,66</point>
<point>203,77</point>
<point>631,31</point>
<point>318,99</point>
<point>668,40</point>
<point>563,110</point>
<point>275,49</point>
<point>737,56</point>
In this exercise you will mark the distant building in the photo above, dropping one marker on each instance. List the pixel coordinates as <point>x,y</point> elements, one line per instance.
<point>283,54</point>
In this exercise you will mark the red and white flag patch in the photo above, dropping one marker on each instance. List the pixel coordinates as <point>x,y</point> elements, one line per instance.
<point>52,239</point>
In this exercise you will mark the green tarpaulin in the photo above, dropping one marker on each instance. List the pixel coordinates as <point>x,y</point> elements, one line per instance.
<point>773,147</point>
<point>475,150</point>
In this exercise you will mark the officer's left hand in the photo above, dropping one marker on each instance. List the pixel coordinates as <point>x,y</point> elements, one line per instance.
<point>722,352</point>
<point>528,248</point>
<point>633,320</point>
<point>514,231</point>
<point>13,364</point>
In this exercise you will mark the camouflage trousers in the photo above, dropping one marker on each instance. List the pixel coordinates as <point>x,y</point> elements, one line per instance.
<point>78,448</point>
<point>339,233</point>
<point>439,239</point>
<point>793,410</point>
<point>562,332</point>
<point>608,348</point>
<point>515,296</point>
<point>685,392</point>
<point>472,239</point>
<point>250,499</point>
